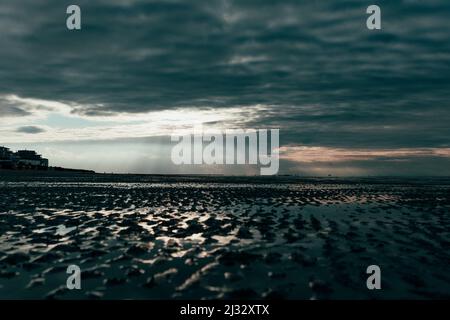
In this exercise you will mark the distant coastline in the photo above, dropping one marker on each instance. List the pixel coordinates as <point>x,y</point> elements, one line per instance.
<point>30,161</point>
<point>88,176</point>
<point>48,170</point>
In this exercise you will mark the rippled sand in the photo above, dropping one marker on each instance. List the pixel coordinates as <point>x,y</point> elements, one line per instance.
<point>199,239</point>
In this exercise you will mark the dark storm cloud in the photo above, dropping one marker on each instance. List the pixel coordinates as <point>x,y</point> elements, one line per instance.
<point>30,129</point>
<point>12,111</point>
<point>327,79</point>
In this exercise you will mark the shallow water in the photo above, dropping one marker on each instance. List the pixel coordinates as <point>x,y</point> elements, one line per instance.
<point>190,240</point>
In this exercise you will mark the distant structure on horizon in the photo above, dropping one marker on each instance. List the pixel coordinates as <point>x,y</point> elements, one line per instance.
<point>22,159</point>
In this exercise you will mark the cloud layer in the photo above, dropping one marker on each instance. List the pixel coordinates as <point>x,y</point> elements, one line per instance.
<point>311,68</point>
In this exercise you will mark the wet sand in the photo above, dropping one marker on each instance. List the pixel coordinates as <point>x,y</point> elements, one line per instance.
<point>239,238</point>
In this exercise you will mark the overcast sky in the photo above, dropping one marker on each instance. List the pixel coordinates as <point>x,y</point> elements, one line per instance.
<point>347,100</point>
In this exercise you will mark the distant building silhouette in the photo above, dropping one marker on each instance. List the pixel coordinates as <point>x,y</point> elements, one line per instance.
<point>22,159</point>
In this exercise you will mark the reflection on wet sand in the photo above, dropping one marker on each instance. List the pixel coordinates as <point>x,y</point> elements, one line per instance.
<point>154,240</point>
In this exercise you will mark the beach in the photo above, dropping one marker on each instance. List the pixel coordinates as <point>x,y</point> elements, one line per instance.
<point>157,237</point>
